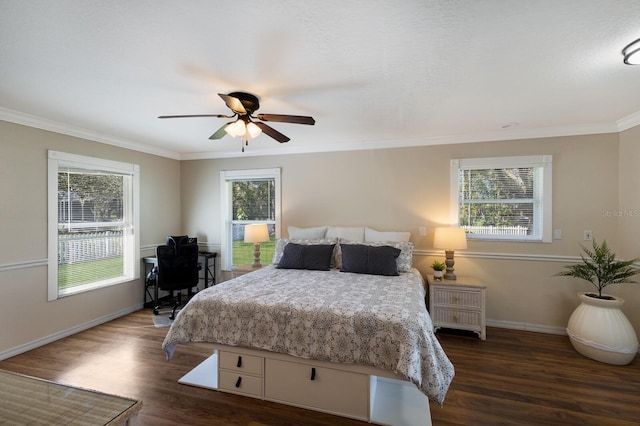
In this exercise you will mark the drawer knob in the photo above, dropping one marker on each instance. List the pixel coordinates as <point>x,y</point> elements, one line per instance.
<point>313,373</point>
<point>238,382</point>
<point>239,362</point>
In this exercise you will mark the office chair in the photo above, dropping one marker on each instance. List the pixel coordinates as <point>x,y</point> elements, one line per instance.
<point>177,270</point>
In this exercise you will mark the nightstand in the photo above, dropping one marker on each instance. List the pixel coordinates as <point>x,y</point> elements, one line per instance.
<point>458,304</point>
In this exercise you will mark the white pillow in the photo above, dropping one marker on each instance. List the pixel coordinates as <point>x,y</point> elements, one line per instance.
<point>346,233</point>
<point>373,235</point>
<point>316,233</point>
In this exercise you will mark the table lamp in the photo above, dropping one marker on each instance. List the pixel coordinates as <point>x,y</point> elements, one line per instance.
<point>450,239</point>
<point>256,233</point>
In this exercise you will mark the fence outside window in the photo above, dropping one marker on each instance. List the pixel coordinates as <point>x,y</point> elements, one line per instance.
<point>82,247</point>
<point>497,230</point>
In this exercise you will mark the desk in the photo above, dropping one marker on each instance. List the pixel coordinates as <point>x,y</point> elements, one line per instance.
<point>207,259</point>
<point>28,400</point>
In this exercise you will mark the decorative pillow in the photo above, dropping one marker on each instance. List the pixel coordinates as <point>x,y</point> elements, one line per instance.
<point>373,235</point>
<point>307,233</point>
<point>362,259</point>
<point>348,233</point>
<point>313,257</point>
<point>404,260</point>
<point>281,243</point>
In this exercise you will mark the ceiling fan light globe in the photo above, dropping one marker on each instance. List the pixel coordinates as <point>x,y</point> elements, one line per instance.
<point>253,130</point>
<point>237,128</point>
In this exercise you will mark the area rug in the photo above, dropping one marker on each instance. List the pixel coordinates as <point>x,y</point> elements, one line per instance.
<point>162,319</point>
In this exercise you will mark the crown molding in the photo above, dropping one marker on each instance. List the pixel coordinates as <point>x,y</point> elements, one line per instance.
<point>631,120</point>
<point>507,134</point>
<point>29,120</point>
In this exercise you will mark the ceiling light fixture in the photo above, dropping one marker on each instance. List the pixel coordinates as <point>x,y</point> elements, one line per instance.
<point>631,53</point>
<point>244,128</point>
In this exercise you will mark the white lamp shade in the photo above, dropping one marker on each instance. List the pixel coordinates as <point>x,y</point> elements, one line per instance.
<point>450,238</point>
<point>256,233</point>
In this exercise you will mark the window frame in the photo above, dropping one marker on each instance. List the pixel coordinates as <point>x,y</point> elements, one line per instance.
<point>131,249</point>
<point>228,176</point>
<point>542,196</point>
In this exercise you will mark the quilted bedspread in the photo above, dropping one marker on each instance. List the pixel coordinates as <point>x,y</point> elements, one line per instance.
<point>323,315</point>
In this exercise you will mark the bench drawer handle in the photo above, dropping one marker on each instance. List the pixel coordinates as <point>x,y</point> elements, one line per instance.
<point>239,362</point>
<point>313,373</point>
<point>238,382</point>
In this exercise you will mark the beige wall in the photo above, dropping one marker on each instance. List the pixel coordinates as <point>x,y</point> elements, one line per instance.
<point>629,220</point>
<point>405,188</point>
<point>392,189</point>
<point>26,316</point>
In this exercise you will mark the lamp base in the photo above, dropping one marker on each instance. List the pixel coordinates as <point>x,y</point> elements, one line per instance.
<point>449,275</point>
<point>256,256</point>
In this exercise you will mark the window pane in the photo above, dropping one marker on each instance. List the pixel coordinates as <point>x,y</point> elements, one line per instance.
<point>497,184</point>
<point>91,219</point>
<point>87,197</point>
<point>253,200</point>
<point>497,201</point>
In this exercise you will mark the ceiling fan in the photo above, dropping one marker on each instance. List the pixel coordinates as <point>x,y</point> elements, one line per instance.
<point>244,105</point>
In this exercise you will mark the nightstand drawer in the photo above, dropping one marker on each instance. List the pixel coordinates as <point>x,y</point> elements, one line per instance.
<point>457,297</point>
<point>240,363</point>
<point>456,317</point>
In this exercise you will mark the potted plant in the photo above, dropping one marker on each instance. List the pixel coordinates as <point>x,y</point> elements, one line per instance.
<point>598,328</point>
<point>438,268</point>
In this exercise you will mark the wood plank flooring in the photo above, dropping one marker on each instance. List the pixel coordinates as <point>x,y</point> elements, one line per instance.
<point>512,378</point>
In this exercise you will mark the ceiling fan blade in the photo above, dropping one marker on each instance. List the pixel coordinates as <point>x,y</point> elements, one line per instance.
<point>196,115</point>
<point>221,132</point>
<point>297,119</point>
<point>270,131</point>
<point>233,103</point>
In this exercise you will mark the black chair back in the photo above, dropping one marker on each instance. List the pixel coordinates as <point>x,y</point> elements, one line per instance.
<point>177,269</point>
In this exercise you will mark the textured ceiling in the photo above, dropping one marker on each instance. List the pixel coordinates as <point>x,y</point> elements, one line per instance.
<point>372,73</point>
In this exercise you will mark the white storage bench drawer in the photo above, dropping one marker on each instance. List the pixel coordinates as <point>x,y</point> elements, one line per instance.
<point>319,388</point>
<point>241,363</point>
<point>229,381</point>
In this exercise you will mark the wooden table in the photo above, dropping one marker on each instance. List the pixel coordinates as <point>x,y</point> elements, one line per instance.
<point>33,401</point>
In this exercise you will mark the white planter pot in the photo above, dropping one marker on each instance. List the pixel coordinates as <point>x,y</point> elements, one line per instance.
<point>438,275</point>
<point>598,329</point>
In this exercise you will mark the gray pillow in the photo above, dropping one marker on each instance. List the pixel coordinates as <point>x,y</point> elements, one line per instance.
<point>313,257</point>
<point>362,259</point>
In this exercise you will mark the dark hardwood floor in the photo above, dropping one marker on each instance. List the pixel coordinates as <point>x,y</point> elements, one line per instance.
<point>512,378</point>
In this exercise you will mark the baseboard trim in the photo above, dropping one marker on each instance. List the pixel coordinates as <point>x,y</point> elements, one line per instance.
<point>523,326</point>
<point>66,333</point>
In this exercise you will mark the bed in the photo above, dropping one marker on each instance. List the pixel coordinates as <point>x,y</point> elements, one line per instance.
<point>372,324</point>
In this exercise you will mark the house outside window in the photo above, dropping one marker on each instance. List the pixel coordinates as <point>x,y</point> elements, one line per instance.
<point>93,232</point>
<point>248,197</point>
<point>503,198</point>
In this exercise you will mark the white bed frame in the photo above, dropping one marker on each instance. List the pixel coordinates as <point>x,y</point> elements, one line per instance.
<point>356,391</point>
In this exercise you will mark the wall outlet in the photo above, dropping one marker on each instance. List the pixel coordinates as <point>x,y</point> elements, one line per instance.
<point>588,235</point>
<point>557,234</point>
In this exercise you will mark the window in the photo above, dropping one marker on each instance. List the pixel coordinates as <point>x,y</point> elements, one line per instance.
<point>93,218</point>
<point>506,198</point>
<point>248,196</point>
